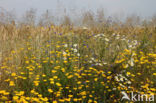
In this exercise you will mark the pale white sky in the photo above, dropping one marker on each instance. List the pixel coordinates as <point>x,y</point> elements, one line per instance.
<point>140,7</point>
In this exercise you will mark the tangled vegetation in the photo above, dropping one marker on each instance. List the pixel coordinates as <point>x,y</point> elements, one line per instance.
<point>66,64</point>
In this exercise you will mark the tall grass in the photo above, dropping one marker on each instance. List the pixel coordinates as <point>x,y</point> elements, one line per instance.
<point>66,63</point>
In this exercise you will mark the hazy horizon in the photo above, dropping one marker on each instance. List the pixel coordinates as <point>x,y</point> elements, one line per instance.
<point>144,8</point>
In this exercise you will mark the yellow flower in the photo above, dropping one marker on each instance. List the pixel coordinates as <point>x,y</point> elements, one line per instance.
<point>87,81</point>
<point>139,73</point>
<point>75,99</point>
<point>79,82</point>
<point>6,93</point>
<point>27,98</point>
<point>55,101</point>
<point>70,96</point>
<point>39,66</point>
<point>70,76</point>
<point>36,83</point>
<point>95,79</point>
<point>15,97</point>
<point>45,99</point>
<point>68,99</point>
<point>13,52</point>
<point>51,82</point>
<point>24,77</point>
<point>55,77</point>
<point>53,71</point>
<point>45,61</point>
<point>13,74</point>
<point>20,93</point>
<point>95,101</point>
<point>22,72</point>
<point>83,93</point>
<point>128,73</point>
<point>58,94</point>
<point>61,100</point>
<point>51,52</point>
<point>90,96</point>
<point>63,70</point>
<point>50,90</point>
<point>58,84</point>
<point>90,101</point>
<point>43,75</point>
<point>29,48</point>
<point>4,98</point>
<point>83,97</point>
<point>48,45</point>
<point>109,72</point>
<point>27,62</point>
<point>11,83</point>
<point>65,62</point>
<point>154,74</point>
<point>58,46</point>
<point>32,91</point>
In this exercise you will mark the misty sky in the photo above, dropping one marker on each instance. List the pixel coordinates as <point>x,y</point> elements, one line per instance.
<point>140,7</point>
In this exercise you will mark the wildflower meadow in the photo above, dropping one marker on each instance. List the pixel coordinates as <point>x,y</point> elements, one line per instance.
<point>77,64</point>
